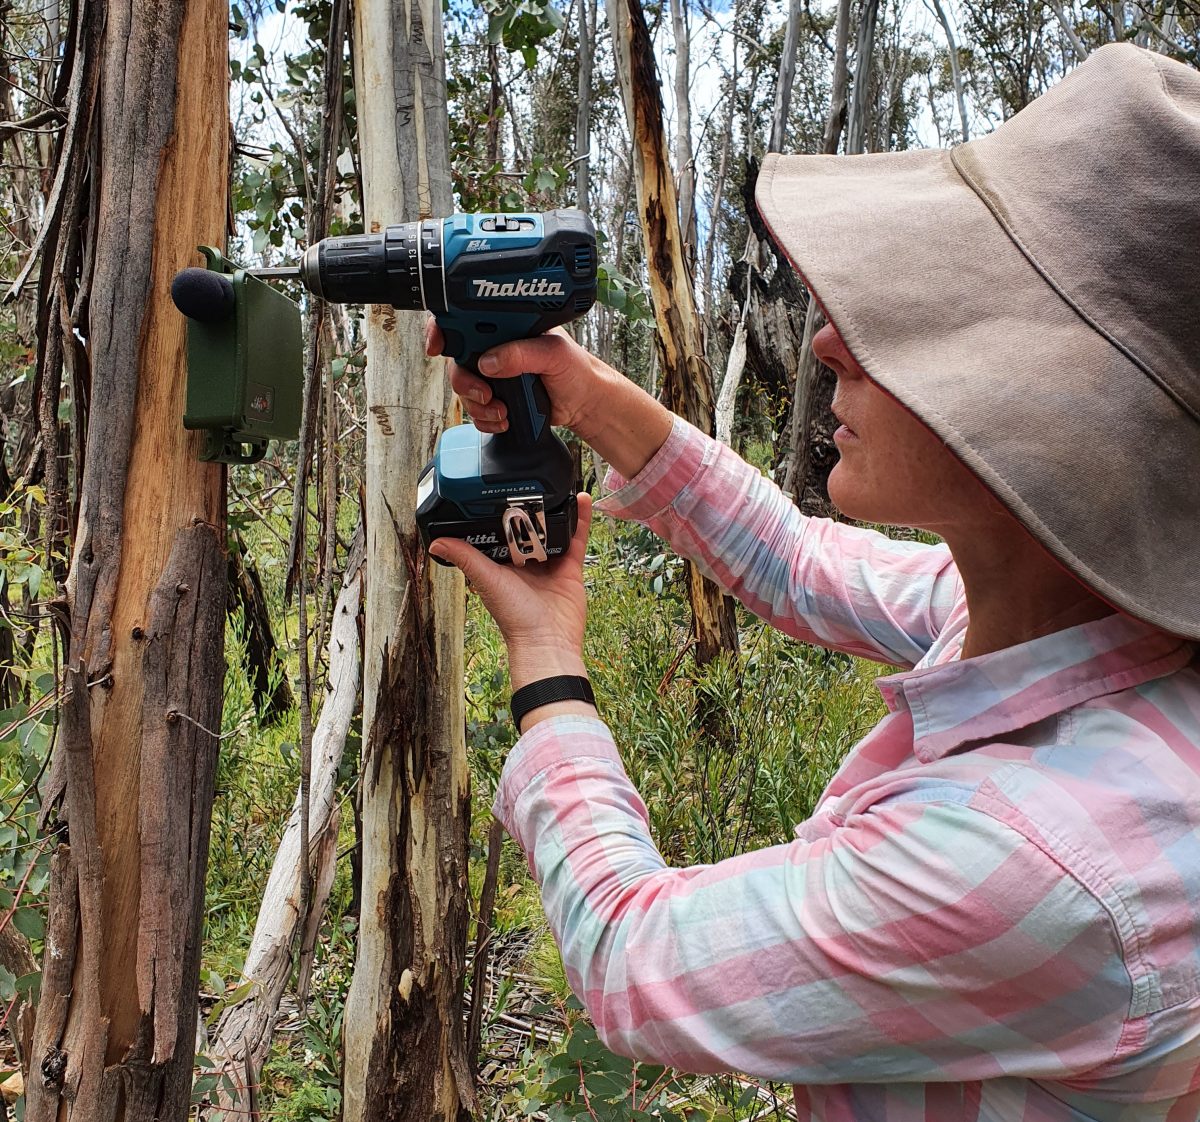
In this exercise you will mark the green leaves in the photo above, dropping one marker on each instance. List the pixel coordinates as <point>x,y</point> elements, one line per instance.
<point>19,556</point>
<point>522,26</point>
<point>585,1080</point>
<point>618,292</point>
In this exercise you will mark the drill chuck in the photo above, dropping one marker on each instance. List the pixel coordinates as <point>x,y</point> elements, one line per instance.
<point>401,266</point>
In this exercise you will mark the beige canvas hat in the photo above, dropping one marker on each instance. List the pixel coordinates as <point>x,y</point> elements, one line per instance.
<point>1033,297</point>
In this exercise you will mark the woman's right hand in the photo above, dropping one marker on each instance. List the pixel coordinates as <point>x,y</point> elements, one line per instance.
<point>622,422</point>
<point>577,383</point>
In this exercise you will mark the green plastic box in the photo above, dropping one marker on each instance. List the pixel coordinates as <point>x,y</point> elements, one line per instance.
<point>245,383</point>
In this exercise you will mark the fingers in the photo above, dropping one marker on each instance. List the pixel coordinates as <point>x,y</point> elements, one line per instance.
<point>489,415</point>
<point>579,542</point>
<point>433,338</point>
<point>475,393</point>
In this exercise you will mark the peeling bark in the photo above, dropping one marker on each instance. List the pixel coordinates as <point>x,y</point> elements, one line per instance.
<point>146,592</point>
<point>262,653</point>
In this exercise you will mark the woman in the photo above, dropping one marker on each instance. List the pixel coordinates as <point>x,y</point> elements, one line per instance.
<point>994,912</point>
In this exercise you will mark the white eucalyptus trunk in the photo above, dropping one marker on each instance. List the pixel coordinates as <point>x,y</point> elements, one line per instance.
<point>583,113</point>
<point>955,67</point>
<point>404,1040</point>
<point>787,78</point>
<point>685,164</point>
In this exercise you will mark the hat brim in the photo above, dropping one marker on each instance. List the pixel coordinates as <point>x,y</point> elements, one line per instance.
<point>945,312</point>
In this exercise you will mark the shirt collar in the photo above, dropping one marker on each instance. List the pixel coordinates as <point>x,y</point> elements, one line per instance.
<point>997,693</point>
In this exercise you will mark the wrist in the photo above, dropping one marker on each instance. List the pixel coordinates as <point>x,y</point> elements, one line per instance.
<point>556,709</point>
<point>532,663</point>
<point>550,697</point>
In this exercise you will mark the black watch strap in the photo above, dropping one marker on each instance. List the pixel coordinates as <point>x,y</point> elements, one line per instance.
<point>563,687</point>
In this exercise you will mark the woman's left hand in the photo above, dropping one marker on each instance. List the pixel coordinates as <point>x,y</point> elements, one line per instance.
<point>541,608</point>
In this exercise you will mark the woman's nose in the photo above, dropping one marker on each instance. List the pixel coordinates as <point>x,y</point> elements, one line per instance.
<point>829,347</point>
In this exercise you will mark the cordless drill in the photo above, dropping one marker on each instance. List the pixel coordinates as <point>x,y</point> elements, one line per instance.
<point>487,279</point>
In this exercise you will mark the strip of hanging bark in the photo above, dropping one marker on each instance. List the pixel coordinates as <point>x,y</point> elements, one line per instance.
<point>17,958</point>
<point>731,382</point>
<point>61,235</point>
<point>79,70</point>
<point>62,940</point>
<point>243,1033</point>
<point>679,342</point>
<point>483,943</point>
<point>179,740</point>
<point>262,653</point>
<point>320,208</point>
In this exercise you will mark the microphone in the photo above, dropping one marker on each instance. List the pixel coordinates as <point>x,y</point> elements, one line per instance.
<point>203,295</point>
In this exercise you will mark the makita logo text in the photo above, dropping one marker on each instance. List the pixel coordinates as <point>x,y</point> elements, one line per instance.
<point>481,539</point>
<point>539,287</point>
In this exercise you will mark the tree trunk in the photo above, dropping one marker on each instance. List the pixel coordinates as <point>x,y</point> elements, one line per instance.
<point>809,453</point>
<point>718,191</point>
<point>116,1025</point>
<point>754,313</point>
<point>685,164</point>
<point>405,1054</point>
<point>955,68</point>
<point>841,77</point>
<point>583,113</point>
<point>787,78</point>
<point>243,1036</point>
<point>856,131</point>
<point>680,341</point>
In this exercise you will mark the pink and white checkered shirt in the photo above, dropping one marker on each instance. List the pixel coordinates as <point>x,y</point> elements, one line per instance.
<point>994,913</point>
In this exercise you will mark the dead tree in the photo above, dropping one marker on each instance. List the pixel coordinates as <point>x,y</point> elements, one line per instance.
<point>686,380</point>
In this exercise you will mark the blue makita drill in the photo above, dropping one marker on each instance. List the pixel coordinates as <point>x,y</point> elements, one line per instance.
<point>487,279</point>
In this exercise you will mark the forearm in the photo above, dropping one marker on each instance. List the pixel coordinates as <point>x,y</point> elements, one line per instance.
<point>626,426</point>
<point>822,582</point>
<point>805,961</point>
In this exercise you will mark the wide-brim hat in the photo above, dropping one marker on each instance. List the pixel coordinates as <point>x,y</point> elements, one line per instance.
<point>1033,296</point>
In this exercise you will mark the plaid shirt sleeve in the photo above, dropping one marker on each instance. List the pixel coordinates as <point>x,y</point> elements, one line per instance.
<point>921,939</point>
<point>825,582</point>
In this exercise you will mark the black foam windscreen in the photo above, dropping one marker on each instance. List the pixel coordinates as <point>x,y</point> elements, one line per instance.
<point>203,295</point>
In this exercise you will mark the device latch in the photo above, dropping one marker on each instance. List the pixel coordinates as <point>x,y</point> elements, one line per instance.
<point>525,528</point>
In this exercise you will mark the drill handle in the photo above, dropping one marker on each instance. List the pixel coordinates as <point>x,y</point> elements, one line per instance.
<point>528,410</point>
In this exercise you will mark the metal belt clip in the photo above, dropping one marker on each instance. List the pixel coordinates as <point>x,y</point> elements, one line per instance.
<point>525,528</point>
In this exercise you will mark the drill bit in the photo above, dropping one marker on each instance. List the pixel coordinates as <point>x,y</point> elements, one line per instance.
<point>283,272</point>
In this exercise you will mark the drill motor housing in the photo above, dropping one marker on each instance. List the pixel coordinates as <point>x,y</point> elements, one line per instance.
<point>488,279</point>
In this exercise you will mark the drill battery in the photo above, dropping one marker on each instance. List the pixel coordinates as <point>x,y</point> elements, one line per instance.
<point>509,512</point>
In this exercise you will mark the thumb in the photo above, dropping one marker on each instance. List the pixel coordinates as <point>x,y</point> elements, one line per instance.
<point>579,542</point>
<point>547,355</point>
<point>479,570</point>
